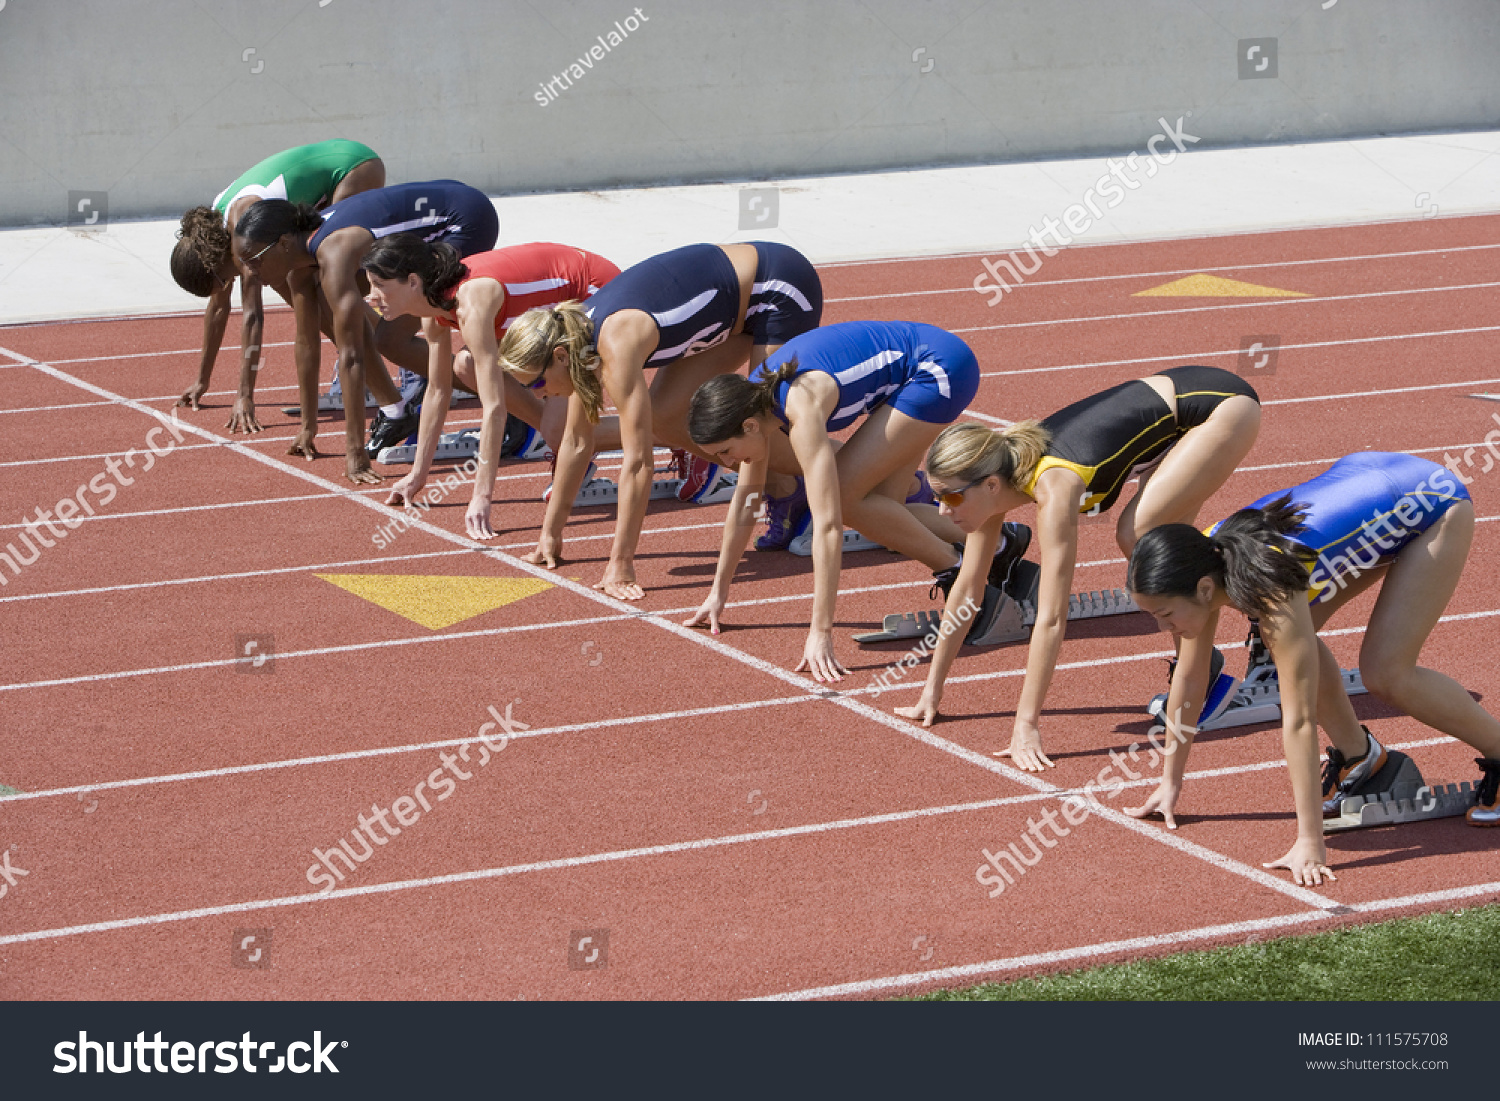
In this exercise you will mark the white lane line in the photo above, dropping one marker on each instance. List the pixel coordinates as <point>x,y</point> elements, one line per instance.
<point>1382,393</point>
<point>322,651</point>
<point>154,355</point>
<point>514,869</point>
<point>1136,274</point>
<point>1133,944</point>
<point>416,747</point>
<point>373,561</point>
<point>57,408</point>
<point>1257,304</point>
<point>1193,356</point>
<point>232,576</point>
<point>699,845</point>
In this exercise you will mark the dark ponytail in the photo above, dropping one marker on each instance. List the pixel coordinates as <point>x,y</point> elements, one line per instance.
<point>722,405</point>
<point>269,220</point>
<point>436,263</point>
<point>1250,556</point>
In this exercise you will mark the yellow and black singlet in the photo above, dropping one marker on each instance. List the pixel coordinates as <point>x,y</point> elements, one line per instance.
<point>1117,433</point>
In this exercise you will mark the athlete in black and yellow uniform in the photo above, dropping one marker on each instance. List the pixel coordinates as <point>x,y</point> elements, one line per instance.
<point>1182,431</point>
<point>1115,435</point>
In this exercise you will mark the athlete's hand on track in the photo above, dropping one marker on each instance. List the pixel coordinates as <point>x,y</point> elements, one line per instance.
<point>405,491</point>
<point>708,614</point>
<point>357,469</point>
<point>191,395</point>
<point>548,553</point>
<point>305,444</point>
<point>1308,863</point>
<point>925,710</point>
<point>242,418</point>
<point>818,659</point>
<point>1161,801</point>
<point>1025,748</point>
<point>477,520</point>
<point>619,582</point>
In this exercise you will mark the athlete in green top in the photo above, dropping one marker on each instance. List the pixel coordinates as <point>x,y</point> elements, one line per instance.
<point>319,174</point>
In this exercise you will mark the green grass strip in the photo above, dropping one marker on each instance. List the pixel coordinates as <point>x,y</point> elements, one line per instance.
<point>1453,956</point>
<point>9,791</point>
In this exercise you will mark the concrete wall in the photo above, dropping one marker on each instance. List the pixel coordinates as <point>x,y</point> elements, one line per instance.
<point>160,103</point>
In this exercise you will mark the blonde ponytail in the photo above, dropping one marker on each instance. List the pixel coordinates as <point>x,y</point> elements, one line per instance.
<point>968,452</point>
<point>529,342</point>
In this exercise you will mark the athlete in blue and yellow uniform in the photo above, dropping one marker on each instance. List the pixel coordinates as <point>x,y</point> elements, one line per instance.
<point>320,255</point>
<point>318,174</point>
<point>697,311</point>
<point>1290,561</point>
<point>1182,432</point>
<point>905,382</point>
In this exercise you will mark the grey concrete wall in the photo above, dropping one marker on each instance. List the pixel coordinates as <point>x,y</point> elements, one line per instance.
<point>160,103</point>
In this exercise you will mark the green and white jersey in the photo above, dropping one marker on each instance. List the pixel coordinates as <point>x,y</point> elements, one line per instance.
<point>307,174</point>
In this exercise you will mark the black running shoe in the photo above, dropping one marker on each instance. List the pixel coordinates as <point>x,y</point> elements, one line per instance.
<point>942,580</point>
<point>389,431</point>
<point>1017,539</point>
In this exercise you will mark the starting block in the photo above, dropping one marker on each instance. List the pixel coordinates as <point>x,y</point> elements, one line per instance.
<point>329,403</point>
<point>1398,794</point>
<point>451,445</point>
<point>1259,697</point>
<point>1002,618</point>
<point>604,491</point>
<point>853,541</point>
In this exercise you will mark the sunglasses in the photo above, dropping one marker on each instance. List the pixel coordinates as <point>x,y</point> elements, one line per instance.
<point>538,382</point>
<point>955,497</point>
<point>263,251</point>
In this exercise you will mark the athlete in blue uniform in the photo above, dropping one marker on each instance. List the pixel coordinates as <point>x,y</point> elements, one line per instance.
<point>904,382</point>
<point>1291,560</point>
<point>697,312</point>
<point>319,255</point>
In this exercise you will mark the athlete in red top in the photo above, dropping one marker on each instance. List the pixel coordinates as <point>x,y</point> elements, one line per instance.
<point>479,296</point>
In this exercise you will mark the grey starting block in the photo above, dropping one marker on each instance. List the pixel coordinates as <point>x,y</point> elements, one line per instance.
<point>853,541</point>
<point>451,445</point>
<point>1259,698</point>
<point>605,491</point>
<point>1398,794</point>
<point>329,403</point>
<point>1002,618</point>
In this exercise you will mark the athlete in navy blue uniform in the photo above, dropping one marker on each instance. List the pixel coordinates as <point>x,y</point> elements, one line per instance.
<point>694,313</point>
<point>1290,561</point>
<point>903,382</point>
<point>319,255</point>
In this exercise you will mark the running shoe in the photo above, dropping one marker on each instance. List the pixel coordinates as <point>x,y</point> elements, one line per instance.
<point>1221,691</point>
<point>786,518</point>
<point>389,431</point>
<point>699,476</point>
<point>942,580</point>
<point>588,477</point>
<point>1259,667</point>
<point>1342,778</point>
<point>1002,566</point>
<point>1486,808</point>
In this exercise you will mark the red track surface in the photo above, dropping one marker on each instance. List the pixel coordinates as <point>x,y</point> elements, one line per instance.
<point>781,842</point>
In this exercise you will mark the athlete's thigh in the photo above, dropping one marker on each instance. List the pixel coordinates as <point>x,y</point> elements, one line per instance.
<point>1197,465</point>
<point>1417,589</point>
<point>883,452</point>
